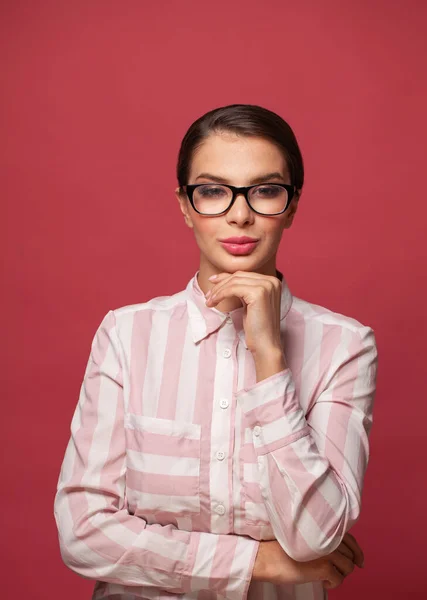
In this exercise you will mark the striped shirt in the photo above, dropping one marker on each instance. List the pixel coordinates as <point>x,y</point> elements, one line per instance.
<point>179,462</point>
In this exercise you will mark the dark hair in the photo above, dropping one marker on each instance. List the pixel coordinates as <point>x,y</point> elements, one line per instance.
<point>242,119</point>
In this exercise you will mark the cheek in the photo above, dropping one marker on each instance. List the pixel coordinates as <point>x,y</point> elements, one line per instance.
<point>273,229</point>
<point>206,226</point>
<point>205,230</point>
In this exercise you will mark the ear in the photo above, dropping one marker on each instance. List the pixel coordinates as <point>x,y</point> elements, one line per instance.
<point>292,209</point>
<point>184,205</point>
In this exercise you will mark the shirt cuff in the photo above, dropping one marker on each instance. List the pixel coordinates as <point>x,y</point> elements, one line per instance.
<point>221,563</point>
<point>273,414</point>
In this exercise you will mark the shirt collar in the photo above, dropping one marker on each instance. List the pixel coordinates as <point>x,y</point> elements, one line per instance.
<point>204,320</point>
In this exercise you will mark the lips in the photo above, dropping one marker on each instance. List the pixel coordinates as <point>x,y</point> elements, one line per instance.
<point>239,240</point>
<point>239,246</point>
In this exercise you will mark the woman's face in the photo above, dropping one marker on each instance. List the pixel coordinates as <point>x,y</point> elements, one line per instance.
<point>239,161</point>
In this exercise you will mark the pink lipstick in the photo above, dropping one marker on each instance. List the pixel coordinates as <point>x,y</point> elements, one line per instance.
<point>239,245</point>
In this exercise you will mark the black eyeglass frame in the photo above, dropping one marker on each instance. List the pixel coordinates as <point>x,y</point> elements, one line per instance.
<point>189,190</point>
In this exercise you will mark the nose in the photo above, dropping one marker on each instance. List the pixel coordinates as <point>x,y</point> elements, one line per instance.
<point>240,212</point>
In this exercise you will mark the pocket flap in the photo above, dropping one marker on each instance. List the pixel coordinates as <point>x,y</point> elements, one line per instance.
<point>191,431</point>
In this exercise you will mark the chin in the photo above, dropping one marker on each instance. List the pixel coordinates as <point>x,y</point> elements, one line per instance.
<point>240,263</point>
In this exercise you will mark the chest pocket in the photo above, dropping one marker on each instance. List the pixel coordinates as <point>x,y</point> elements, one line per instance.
<point>163,466</point>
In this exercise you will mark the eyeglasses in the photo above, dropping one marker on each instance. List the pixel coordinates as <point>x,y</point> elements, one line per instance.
<point>216,199</point>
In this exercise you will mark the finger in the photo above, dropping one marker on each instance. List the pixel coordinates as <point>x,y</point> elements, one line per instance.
<point>246,278</point>
<point>346,550</point>
<point>358,556</point>
<point>271,283</point>
<point>217,280</point>
<point>244,291</point>
<point>333,579</point>
<point>223,278</point>
<point>243,281</point>
<point>220,276</point>
<point>344,564</point>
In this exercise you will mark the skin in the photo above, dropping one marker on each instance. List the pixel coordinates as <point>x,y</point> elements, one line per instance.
<point>248,280</point>
<point>230,282</point>
<point>238,161</point>
<point>274,565</point>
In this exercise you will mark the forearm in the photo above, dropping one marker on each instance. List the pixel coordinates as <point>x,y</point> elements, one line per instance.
<point>116,547</point>
<point>295,477</point>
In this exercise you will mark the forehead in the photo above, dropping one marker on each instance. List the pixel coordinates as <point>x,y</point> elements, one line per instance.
<point>237,157</point>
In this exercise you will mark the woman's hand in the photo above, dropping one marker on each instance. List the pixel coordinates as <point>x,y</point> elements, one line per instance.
<point>274,565</point>
<point>261,295</point>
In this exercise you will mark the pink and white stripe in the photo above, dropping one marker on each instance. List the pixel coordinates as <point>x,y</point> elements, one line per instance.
<point>179,462</point>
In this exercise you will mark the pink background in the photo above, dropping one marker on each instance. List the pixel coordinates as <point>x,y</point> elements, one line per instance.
<point>95,99</point>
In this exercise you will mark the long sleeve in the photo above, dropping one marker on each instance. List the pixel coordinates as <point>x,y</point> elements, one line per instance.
<point>311,467</point>
<point>99,538</point>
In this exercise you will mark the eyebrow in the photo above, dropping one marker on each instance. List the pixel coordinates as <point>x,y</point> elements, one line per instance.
<point>260,179</point>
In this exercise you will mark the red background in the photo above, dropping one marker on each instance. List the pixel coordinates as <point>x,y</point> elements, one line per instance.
<point>95,99</point>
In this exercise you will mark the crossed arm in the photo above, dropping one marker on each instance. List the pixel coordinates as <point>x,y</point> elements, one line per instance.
<point>310,467</point>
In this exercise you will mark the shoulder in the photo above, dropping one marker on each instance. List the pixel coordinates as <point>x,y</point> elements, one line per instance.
<point>312,313</point>
<point>336,344</point>
<point>141,310</point>
<point>318,321</point>
<point>156,303</point>
<point>123,322</point>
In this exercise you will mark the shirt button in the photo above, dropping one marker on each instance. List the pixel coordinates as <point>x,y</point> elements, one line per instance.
<point>227,353</point>
<point>224,403</point>
<point>229,320</point>
<point>257,430</point>
<point>220,509</point>
<point>220,455</point>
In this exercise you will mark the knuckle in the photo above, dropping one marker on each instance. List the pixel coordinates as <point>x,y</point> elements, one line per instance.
<point>350,567</point>
<point>332,572</point>
<point>338,577</point>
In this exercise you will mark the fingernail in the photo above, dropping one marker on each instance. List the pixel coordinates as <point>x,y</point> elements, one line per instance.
<point>208,293</point>
<point>212,277</point>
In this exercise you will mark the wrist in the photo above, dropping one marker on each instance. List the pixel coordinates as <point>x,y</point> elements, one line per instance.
<point>258,572</point>
<point>269,362</point>
<point>265,353</point>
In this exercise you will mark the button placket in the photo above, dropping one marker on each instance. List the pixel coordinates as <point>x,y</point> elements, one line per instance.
<point>221,425</point>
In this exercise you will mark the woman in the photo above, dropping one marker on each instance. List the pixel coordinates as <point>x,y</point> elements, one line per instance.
<point>220,441</point>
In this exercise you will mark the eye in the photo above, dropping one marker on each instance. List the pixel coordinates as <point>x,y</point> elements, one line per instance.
<point>268,191</point>
<point>211,191</point>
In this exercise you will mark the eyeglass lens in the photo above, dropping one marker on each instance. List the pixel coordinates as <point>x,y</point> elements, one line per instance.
<point>214,198</point>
